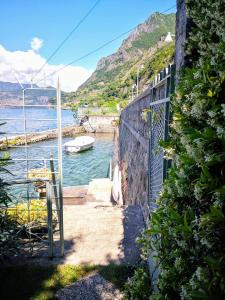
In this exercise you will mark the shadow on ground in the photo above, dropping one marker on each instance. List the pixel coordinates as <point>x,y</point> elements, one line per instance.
<point>95,241</point>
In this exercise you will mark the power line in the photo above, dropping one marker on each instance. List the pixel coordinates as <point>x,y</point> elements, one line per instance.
<point>86,55</point>
<point>66,38</point>
<point>97,49</point>
<point>15,75</point>
<point>168,9</point>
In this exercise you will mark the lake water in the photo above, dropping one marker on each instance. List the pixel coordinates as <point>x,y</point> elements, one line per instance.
<point>78,169</point>
<point>32,116</point>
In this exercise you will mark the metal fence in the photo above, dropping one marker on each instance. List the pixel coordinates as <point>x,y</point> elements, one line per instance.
<point>160,91</point>
<point>37,202</point>
<point>29,220</point>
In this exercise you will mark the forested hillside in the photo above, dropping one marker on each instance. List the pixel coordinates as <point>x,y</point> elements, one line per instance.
<point>144,51</point>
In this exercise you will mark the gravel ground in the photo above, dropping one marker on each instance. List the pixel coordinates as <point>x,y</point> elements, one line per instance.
<point>92,287</point>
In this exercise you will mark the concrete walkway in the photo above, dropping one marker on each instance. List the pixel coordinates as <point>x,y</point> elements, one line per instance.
<point>98,232</point>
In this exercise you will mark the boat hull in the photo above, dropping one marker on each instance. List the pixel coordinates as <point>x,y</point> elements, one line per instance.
<point>79,144</point>
<point>76,149</point>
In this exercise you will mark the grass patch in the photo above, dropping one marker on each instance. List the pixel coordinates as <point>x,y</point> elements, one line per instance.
<point>35,282</point>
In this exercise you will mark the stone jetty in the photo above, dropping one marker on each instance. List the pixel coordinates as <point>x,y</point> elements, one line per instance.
<point>97,124</point>
<point>34,137</point>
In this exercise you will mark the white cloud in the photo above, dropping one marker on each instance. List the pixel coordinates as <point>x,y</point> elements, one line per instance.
<point>24,64</point>
<point>36,44</point>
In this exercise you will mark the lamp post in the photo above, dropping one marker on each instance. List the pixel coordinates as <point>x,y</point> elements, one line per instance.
<point>138,73</point>
<point>132,91</point>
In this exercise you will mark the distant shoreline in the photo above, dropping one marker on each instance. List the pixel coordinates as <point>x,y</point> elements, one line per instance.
<point>43,107</point>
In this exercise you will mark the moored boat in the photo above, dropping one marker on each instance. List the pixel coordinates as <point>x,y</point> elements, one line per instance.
<point>79,144</point>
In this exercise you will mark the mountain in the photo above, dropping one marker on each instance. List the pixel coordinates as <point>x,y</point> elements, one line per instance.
<point>11,94</point>
<point>11,86</point>
<point>144,51</point>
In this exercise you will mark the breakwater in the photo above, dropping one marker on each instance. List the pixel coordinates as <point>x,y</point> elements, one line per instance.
<point>68,131</point>
<point>98,124</point>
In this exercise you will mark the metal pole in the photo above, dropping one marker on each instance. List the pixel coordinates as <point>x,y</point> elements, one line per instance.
<point>166,125</point>
<point>50,230</point>
<point>150,152</point>
<point>55,187</point>
<point>25,133</point>
<point>27,163</point>
<point>137,82</point>
<point>59,125</point>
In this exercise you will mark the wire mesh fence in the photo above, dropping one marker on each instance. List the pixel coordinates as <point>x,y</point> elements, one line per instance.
<point>161,88</point>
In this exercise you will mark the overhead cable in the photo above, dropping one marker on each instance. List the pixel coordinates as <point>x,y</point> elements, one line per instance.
<point>66,38</point>
<point>96,50</point>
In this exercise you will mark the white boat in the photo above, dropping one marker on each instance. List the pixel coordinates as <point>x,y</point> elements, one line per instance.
<point>79,144</point>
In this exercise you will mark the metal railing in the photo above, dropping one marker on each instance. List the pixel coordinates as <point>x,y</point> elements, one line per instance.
<point>26,161</point>
<point>33,218</point>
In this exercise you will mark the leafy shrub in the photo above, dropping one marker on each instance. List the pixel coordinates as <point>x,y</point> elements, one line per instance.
<point>7,228</point>
<point>138,287</point>
<point>187,230</point>
<point>124,103</point>
<point>36,214</point>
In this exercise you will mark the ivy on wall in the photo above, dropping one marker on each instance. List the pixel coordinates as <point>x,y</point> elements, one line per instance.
<point>187,231</point>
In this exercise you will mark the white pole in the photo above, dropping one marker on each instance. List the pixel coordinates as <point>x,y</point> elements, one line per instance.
<point>59,125</point>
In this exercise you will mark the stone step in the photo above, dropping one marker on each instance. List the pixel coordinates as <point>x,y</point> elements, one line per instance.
<point>100,190</point>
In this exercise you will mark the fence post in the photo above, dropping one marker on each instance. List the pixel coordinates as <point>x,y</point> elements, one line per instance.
<point>54,187</point>
<point>50,229</point>
<point>59,125</point>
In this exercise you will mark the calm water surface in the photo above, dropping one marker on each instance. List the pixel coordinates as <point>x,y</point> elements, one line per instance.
<point>32,124</point>
<point>78,169</point>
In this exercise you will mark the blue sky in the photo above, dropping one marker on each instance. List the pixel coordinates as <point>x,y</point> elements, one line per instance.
<point>52,20</point>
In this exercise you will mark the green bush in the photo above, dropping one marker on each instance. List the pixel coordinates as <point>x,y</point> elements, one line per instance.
<point>187,230</point>
<point>7,228</point>
<point>138,286</point>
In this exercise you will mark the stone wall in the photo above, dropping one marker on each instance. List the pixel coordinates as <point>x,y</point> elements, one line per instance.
<point>133,151</point>
<point>182,23</point>
<point>100,123</point>
<point>134,129</point>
